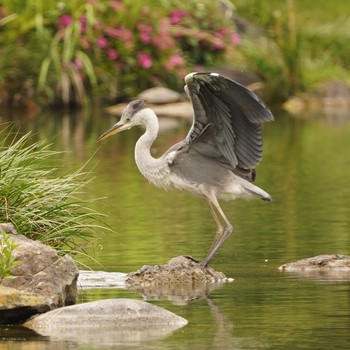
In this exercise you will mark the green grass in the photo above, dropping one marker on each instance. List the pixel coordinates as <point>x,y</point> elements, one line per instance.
<point>42,203</point>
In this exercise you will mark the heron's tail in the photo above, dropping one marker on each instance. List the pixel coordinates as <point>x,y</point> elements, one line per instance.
<point>269,198</point>
<point>257,191</point>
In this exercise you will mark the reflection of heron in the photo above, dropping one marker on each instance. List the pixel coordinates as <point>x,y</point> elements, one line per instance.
<point>219,154</point>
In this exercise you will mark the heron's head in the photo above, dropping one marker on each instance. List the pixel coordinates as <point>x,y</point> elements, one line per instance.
<point>131,116</point>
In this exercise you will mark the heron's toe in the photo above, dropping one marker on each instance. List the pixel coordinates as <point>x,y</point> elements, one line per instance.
<point>192,258</point>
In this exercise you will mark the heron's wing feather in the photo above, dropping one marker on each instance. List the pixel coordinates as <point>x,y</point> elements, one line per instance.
<point>227,121</point>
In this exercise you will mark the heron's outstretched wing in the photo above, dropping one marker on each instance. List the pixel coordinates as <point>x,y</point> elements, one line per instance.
<point>227,121</point>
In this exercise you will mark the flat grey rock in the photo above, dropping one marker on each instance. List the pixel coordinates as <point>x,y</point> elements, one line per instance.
<point>159,95</point>
<point>331,268</point>
<point>319,262</point>
<point>107,322</point>
<point>177,109</point>
<point>100,279</point>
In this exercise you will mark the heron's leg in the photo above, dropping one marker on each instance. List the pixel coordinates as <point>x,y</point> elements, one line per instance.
<point>219,228</point>
<point>220,237</point>
<point>219,232</point>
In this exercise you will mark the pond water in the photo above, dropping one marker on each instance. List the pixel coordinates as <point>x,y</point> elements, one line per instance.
<point>306,168</point>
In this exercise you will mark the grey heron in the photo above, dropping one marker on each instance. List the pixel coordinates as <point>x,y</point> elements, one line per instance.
<point>217,159</point>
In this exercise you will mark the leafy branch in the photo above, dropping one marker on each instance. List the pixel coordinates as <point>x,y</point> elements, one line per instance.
<point>7,259</point>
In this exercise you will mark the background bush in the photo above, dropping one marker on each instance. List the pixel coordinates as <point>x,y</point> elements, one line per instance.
<point>65,49</point>
<point>296,44</point>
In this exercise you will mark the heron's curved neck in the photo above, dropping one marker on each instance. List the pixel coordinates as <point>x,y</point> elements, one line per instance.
<point>143,156</point>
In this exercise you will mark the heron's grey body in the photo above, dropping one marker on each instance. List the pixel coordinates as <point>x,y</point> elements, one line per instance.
<point>217,159</point>
<point>197,173</point>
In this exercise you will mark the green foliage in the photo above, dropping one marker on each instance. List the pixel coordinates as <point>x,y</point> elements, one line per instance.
<point>42,204</point>
<point>7,260</point>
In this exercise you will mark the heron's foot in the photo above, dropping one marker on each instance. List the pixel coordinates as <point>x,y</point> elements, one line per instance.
<point>202,263</point>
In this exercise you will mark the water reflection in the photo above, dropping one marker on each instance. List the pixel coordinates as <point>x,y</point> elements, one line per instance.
<point>327,276</point>
<point>224,332</point>
<point>110,336</point>
<point>182,294</point>
<point>305,168</point>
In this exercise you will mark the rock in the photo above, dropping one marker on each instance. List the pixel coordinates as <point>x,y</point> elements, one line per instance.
<point>330,99</point>
<point>178,109</point>
<point>179,270</point>
<point>8,228</point>
<point>107,322</point>
<point>101,279</point>
<point>17,307</point>
<point>181,280</point>
<point>319,262</point>
<point>42,271</point>
<point>177,293</point>
<point>159,95</point>
<point>246,78</point>
<point>334,267</point>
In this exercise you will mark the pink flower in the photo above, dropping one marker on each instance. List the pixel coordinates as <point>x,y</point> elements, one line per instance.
<point>176,16</point>
<point>164,26</point>
<point>120,33</point>
<point>145,37</point>
<point>145,60</point>
<point>82,21</point>
<point>164,40</point>
<point>175,60</point>
<point>218,43</point>
<point>126,35</point>
<point>77,63</point>
<point>65,20</point>
<point>221,32</point>
<point>235,39</point>
<point>116,5</point>
<point>145,32</point>
<point>83,24</point>
<point>102,42</point>
<point>112,32</point>
<point>112,54</point>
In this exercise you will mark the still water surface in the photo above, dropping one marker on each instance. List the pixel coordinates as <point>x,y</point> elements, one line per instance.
<point>306,168</point>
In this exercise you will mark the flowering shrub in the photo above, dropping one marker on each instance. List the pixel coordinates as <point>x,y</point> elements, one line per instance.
<point>125,46</point>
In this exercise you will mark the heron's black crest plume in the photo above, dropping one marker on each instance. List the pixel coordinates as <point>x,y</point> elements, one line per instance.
<point>137,105</point>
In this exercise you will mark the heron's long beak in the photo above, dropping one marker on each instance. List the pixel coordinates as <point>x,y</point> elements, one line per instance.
<point>118,127</point>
